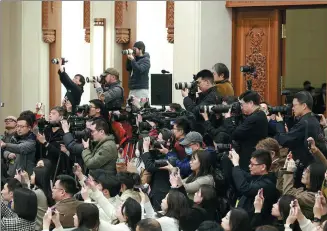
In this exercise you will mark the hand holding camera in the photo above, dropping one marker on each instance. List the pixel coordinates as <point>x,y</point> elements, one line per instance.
<point>234,157</point>
<point>312,145</point>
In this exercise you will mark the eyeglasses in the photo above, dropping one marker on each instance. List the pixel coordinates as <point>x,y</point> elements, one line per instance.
<point>252,164</point>
<point>58,188</point>
<point>20,126</point>
<point>9,120</point>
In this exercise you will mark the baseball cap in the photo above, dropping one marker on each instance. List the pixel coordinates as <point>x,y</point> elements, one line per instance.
<point>110,71</point>
<point>192,137</point>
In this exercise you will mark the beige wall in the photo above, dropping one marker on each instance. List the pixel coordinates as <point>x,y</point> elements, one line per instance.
<point>203,37</point>
<point>24,58</point>
<point>306,47</point>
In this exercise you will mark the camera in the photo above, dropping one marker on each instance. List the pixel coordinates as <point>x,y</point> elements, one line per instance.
<point>83,109</point>
<point>94,79</point>
<point>157,144</point>
<point>248,69</point>
<point>192,86</point>
<point>82,135</point>
<point>220,108</point>
<point>127,52</point>
<point>224,148</point>
<point>160,163</point>
<point>284,110</point>
<point>77,123</point>
<point>57,60</point>
<point>41,124</point>
<point>144,188</point>
<point>145,126</point>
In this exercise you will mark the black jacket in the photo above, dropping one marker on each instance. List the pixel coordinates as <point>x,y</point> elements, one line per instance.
<point>210,97</point>
<point>160,184</point>
<point>296,138</point>
<point>139,72</point>
<point>53,153</point>
<point>74,92</point>
<point>247,186</point>
<point>253,129</point>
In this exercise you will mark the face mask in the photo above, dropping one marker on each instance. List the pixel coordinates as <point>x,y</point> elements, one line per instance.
<point>137,153</point>
<point>188,150</point>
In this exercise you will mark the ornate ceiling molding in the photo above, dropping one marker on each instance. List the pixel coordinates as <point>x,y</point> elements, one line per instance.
<point>122,22</point>
<point>48,29</point>
<point>170,9</point>
<point>87,20</point>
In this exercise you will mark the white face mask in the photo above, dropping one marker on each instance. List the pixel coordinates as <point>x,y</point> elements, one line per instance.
<point>137,153</point>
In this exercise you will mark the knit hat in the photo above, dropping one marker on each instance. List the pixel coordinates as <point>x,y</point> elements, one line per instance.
<point>140,45</point>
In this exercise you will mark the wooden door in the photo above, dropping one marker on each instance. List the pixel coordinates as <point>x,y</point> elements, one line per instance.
<point>256,40</point>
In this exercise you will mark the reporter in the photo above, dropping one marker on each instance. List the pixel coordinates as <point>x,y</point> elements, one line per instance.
<point>73,86</point>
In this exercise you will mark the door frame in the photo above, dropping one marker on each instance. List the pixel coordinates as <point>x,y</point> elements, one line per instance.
<point>238,6</point>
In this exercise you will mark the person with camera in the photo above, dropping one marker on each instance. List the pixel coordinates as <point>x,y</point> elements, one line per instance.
<point>50,142</point>
<point>296,139</point>
<point>253,129</point>
<point>73,86</point>
<point>104,154</point>
<point>207,96</point>
<point>113,94</point>
<point>159,184</point>
<point>221,76</point>
<point>21,147</point>
<point>138,65</point>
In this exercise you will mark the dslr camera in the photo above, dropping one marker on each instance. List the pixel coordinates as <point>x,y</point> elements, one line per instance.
<point>192,86</point>
<point>57,60</point>
<point>94,79</point>
<point>128,52</point>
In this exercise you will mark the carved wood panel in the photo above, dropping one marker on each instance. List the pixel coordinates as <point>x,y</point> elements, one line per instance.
<point>273,3</point>
<point>122,21</point>
<point>49,33</point>
<point>256,41</point>
<point>170,10</point>
<point>87,20</point>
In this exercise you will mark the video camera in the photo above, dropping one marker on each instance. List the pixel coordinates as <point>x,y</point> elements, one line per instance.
<point>77,123</point>
<point>192,86</point>
<point>84,109</point>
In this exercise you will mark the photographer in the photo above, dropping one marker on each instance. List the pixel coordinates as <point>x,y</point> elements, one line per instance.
<point>104,154</point>
<point>208,96</point>
<point>50,141</point>
<point>253,129</point>
<point>97,110</point>
<point>221,76</point>
<point>74,147</point>
<point>138,65</point>
<point>114,94</point>
<point>159,184</point>
<point>73,86</point>
<point>296,139</point>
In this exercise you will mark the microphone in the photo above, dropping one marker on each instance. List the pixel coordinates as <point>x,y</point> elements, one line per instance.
<point>165,72</point>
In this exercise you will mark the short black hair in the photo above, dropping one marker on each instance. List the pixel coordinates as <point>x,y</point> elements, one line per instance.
<point>210,226</point>
<point>176,106</point>
<point>249,95</point>
<point>266,228</point>
<point>25,204</point>
<point>305,83</point>
<point>13,184</point>
<point>111,183</point>
<point>81,79</point>
<point>205,74</point>
<point>129,179</point>
<point>221,69</point>
<point>101,124</point>
<point>29,114</point>
<point>27,119</point>
<point>149,224</point>
<point>263,157</point>
<point>68,183</point>
<point>304,97</point>
<point>184,124</point>
<point>100,105</point>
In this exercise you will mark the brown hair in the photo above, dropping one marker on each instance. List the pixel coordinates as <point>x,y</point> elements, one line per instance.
<point>269,144</point>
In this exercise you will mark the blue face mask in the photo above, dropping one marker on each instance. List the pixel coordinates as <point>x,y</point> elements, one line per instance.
<point>188,150</point>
